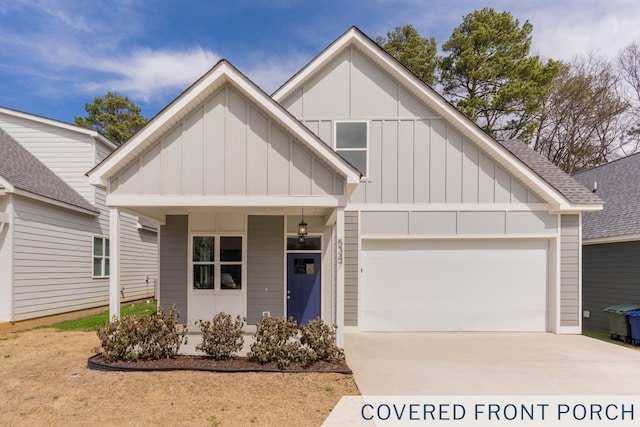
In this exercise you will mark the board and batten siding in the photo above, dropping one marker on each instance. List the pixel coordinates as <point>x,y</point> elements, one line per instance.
<point>351,268</point>
<point>265,266</point>
<point>570,270</point>
<point>610,276</point>
<point>53,261</point>
<point>414,156</point>
<point>68,154</point>
<point>228,146</point>
<point>174,247</point>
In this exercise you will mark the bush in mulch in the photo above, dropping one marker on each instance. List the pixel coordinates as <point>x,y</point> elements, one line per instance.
<point>221,337</point>
<point>276,341</point>
<point>152,343</point>
<point>148,337</point>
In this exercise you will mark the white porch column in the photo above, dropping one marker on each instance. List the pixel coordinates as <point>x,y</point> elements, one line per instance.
<point>114,263</point>
<point>340,275</point>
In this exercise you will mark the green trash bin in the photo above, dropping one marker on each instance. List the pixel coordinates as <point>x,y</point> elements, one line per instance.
<point>618,322</point>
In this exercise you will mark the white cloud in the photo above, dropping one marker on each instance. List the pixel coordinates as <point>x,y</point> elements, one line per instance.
<point>571,29</point>
<point>149,74</point>
<point>271,73</point>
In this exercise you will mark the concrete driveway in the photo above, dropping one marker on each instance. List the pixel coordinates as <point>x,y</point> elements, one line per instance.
<point>463,363</point>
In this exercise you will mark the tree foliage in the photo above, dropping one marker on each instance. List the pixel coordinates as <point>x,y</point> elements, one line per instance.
<point>418,54</point>
<point>114,116</point>
<point>581,120</point>
<point>579,114</point>
<point>629,69</point>
<point>488,74</point>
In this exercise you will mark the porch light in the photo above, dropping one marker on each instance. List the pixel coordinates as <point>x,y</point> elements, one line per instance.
<point>302,229</point>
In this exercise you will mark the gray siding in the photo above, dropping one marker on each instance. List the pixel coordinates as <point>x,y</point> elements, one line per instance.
<point>265,267</point>
<point>351,268</point>
<point>610,276</point>
<point>570,270</point>
<point>174,241</point>
<point>139,252</point>
<point>228,146</point>
<point>138,259</point>
<point>53,263</point>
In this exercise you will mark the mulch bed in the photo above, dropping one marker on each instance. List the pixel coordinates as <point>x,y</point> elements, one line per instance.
<point>204,363</point>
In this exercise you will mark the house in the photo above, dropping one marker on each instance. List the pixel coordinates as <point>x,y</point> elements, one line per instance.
<point>611,240</point>
<point>54,225</point>
<point>416,219</point>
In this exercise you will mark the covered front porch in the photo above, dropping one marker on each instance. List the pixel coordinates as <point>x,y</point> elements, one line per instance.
<point>251,262</point>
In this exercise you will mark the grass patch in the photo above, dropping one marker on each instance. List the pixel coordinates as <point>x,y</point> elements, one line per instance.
<point>607,338</point>
<point>88,324</point>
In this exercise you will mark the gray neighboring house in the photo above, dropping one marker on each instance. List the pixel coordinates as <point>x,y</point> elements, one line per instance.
<point>54,225</point>
<point>611,240</point>
<point>416,220</point>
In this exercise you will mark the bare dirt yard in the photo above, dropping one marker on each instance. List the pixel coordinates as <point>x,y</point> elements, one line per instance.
<point>44,380</point>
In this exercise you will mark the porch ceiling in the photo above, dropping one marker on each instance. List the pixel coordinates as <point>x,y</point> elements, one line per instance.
<point>159,214</point>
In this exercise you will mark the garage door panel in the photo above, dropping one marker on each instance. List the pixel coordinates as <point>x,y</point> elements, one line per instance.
<point>480,285</point>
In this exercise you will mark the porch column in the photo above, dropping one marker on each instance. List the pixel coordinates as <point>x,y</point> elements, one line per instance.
<point>340,275</point>
<point>114,263</point>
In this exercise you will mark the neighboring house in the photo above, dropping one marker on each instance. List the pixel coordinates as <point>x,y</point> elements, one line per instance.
<point>54,225</point>
<point>611,240</point>
<point>417,220</point>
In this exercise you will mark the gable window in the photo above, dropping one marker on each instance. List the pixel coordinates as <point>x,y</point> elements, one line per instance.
<point>217,262</point>
<point>100,257</point>
<point>351,142</point>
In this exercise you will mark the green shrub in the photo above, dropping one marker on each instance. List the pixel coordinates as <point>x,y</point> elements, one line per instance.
<point>222,336</point>
<point>320,340</point>
<point>148,337</point>
<point>274,342</point>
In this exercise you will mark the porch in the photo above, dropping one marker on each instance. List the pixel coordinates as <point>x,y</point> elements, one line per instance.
<point>246,262</point>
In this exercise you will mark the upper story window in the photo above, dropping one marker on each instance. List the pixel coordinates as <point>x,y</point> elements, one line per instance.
<point>352,143</point>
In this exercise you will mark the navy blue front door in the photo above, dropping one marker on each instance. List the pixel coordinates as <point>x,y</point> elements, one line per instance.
<point>303,286</point>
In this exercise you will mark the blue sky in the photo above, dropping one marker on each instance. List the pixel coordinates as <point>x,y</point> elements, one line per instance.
<point>57,55</point>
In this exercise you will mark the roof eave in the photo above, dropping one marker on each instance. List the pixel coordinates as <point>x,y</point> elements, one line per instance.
<point>568,208</point>
<point>28,194</point>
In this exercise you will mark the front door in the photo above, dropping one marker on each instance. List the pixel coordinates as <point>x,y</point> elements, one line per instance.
<point>303,286</point>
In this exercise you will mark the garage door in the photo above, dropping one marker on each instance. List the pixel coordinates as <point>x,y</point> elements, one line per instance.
<point>455,285</point>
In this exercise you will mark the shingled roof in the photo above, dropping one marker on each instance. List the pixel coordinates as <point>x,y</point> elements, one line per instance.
<point>618,184</point>
<point>573,190</point>
<point>24,171</point>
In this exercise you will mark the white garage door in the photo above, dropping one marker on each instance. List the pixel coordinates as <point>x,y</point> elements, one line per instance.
<point>455,285</point>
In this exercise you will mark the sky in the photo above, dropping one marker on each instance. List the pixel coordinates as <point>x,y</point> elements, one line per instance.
<point>56,55</point>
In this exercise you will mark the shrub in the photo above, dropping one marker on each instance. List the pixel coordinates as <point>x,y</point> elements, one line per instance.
<point>274,342</point>
<point>148,337</point>
<point>222,336</point>
<point>320,340</point>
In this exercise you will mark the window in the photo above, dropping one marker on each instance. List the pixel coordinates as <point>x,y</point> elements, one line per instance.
<point>100,257</point>
<point>203,262</point>
<point>311,243</point>
<point>352,144</point>
<point>217,262</point>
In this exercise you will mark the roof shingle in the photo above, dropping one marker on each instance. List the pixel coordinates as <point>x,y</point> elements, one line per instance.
<point>618,183</point>
<point>573,190</point>
<point>24,171</point>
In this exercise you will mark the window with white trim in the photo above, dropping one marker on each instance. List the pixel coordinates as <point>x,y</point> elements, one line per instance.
<point>100,257</point>
<point>352,143</point>
<point>217,262</point>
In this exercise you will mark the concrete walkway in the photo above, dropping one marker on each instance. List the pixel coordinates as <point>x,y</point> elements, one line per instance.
<point>490,363</point>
